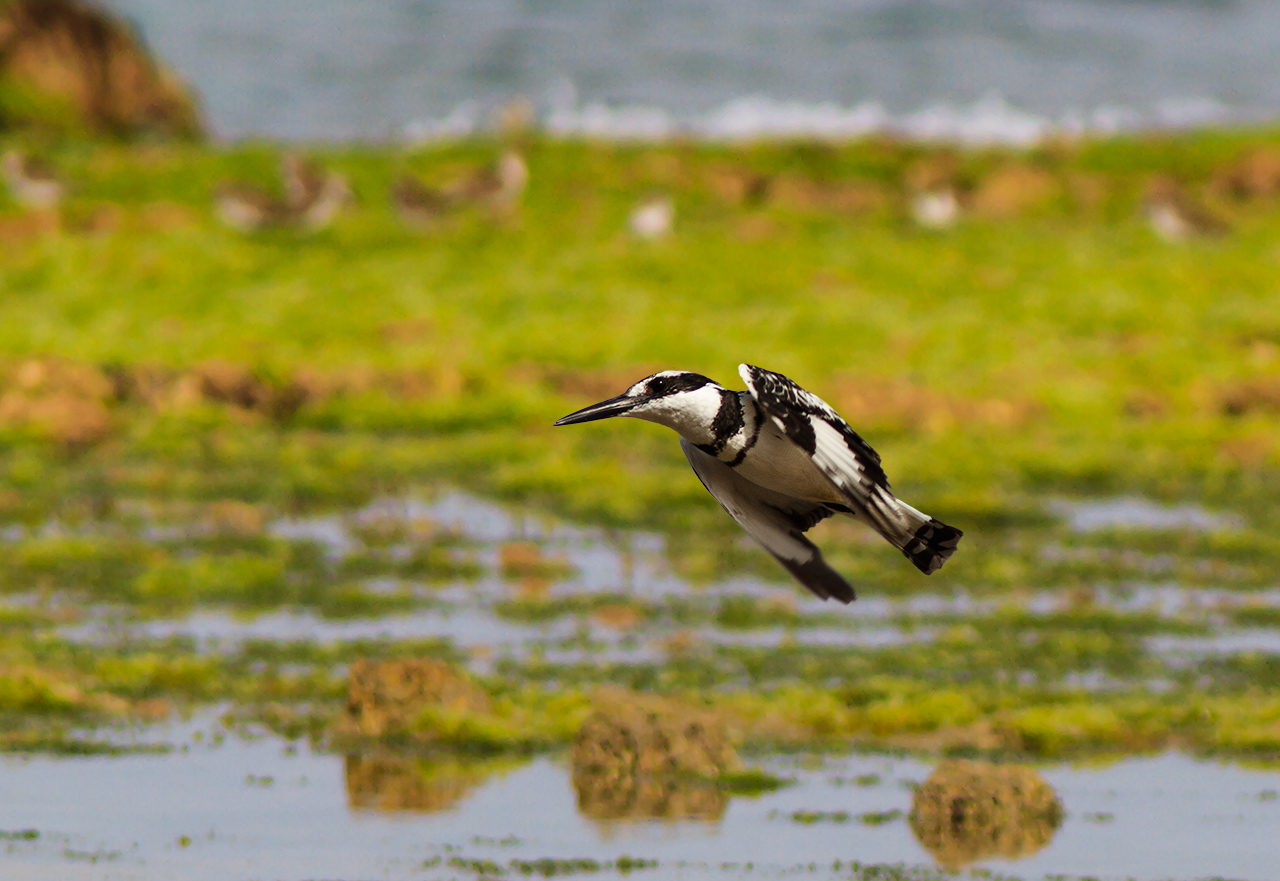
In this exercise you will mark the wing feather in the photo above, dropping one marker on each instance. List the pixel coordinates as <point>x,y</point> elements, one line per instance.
<point>838,451</point>
<point>776,521</point>
<point>848,461</point>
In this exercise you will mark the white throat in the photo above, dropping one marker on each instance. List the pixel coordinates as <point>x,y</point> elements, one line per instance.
<point>691,414</point>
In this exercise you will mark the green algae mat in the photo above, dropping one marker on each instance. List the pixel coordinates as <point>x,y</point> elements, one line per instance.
<point>232,464</point>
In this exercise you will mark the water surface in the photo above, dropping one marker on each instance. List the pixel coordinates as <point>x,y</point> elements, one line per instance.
<point>988,70</point>
<point>256,809</point>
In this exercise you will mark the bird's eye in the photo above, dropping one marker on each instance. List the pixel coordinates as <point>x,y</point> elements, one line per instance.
<point>658,386</point>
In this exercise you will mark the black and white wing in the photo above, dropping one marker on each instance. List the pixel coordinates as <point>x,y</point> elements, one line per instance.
<point>851,465</point>
<point>775,521</point>
<point>839,452</point>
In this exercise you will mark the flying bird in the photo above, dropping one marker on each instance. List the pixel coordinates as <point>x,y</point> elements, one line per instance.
<point>778,459</point>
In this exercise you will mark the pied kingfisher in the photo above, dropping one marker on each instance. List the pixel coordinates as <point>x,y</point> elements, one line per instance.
<point>779,460</point>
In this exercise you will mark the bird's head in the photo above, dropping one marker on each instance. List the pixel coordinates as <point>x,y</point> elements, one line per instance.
<point>687,402</point>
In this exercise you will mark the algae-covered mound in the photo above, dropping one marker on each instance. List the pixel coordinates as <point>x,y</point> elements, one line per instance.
<point>647,757</point>
<point>385,698</point>
<point>68,65</point>
<point>967,811</point>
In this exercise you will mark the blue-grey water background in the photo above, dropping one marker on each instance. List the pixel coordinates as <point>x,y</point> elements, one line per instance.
<point>968,70</point>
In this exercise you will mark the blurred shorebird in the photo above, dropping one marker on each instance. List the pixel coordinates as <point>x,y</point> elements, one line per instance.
<point>303,180</point>
<point>499,187</point>
<point>934,201</point>
<point>935,208</point>
<point>653,218</point>
<point>319,212</point>
<point>418,204</point>
<point>313,194</point>
<point>778,459</point>
<point>1174,216</point>
<point>32,184</point>
<point>313,198</point>
<point>248,208</point>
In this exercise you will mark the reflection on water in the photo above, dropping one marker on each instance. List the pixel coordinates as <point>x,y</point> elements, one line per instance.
<point>661,798</point>
<point>970,811</point>
<point>649,758</point>
<point>412,783</point>
<point>324,816</point>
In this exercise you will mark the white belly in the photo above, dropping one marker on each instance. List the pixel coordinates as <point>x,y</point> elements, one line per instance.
<point>778,464</point>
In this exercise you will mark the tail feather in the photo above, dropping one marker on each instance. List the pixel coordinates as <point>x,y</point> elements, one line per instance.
<point>926,542</point>
<point>931,545</point>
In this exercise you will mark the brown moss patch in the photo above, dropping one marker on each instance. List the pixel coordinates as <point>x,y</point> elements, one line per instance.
<point>737,184</point>
<point>969,811</point>
<point>230,383</point>
<point>71,402</point>
<point>931,172</point>
<point>215,381</point>
<point>618,617</point>
<point>408,330</point>
<point>160,216</point>
<point>1012,191</point>
<point>62,400</point>
<point>384,698</point>
<point>902,406</point>
<point>801,193</point>
<point>1250,451</point>
<point>1250,396</point>
<point>1089,191</point>
<point>524,560</point>
<point>1254,175</point>
<point>756,228</point>
<point>234,517</point>
<point>31,225</point>
<point>1144,404</point>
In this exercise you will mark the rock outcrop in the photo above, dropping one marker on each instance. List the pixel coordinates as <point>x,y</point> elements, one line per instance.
<point>68,66</point>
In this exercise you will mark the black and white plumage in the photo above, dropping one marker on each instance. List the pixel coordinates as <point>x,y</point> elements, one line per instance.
<point>780,460</point>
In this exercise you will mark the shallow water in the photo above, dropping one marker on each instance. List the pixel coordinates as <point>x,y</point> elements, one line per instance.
<point>1009,71</point>
<point>633,567</point>
<point>1130,512</point>
<point>251,809</point>
<point>126,817</point>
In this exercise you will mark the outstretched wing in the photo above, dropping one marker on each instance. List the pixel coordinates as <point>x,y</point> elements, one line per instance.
<point>836,449</point>
<point>775,521</point>
<point>817,429</point>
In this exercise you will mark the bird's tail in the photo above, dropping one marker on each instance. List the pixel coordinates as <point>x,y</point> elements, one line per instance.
<point>931,545</point>
<point>926,542</point>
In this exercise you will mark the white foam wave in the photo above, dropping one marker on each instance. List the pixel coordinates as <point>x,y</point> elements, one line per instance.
<point>991,121</point>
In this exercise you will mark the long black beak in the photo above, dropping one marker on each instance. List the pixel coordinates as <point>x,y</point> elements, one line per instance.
<point>605,409</point>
